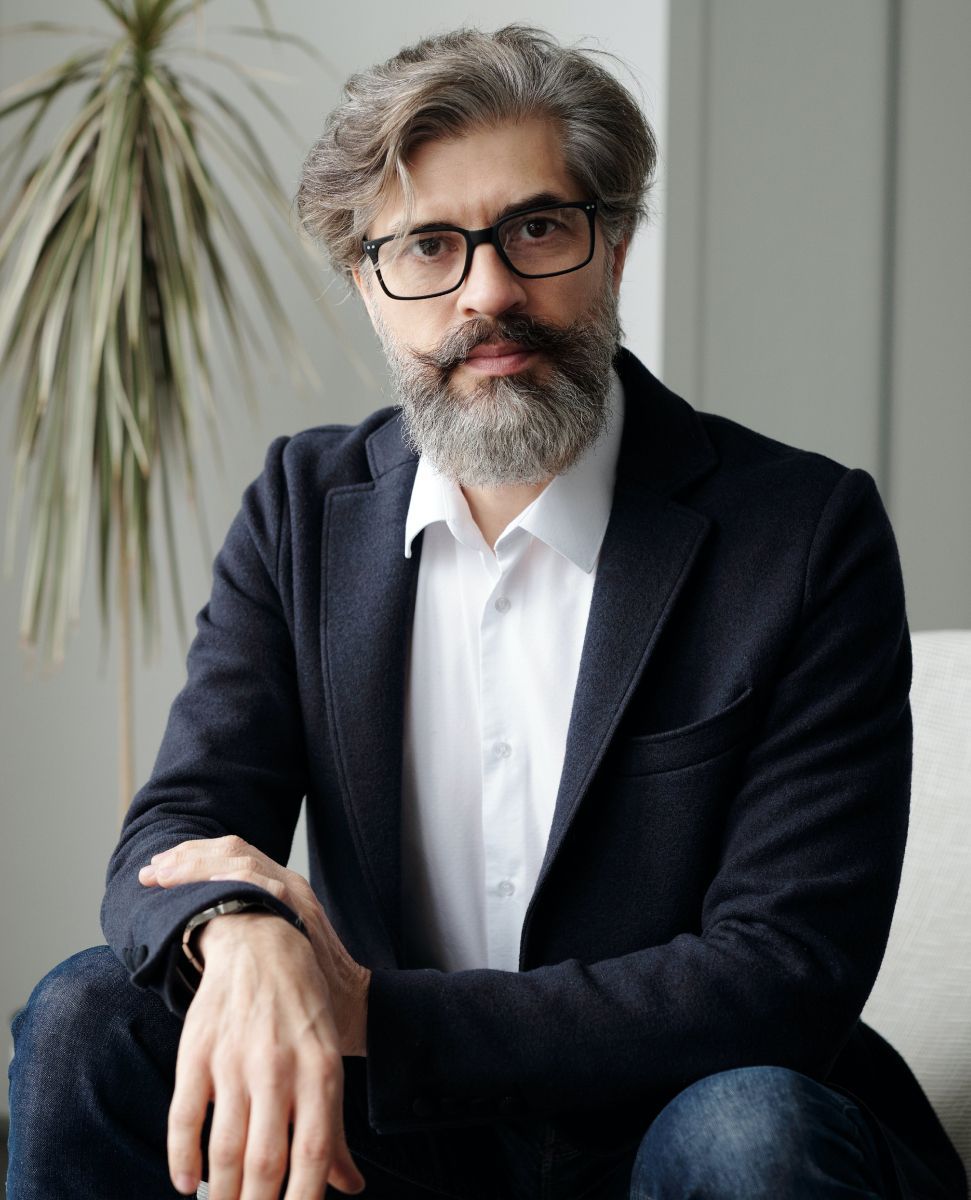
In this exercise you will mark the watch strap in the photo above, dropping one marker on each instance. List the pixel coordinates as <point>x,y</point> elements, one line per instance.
<point>221,909</point>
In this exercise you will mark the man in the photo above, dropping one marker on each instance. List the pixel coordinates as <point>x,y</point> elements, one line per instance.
<point>600,707</point>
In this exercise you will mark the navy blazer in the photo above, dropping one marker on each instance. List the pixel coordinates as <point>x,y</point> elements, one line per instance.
<point>729,829</point>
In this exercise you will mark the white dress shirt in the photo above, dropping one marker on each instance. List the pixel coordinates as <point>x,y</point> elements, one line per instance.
<point>495,653</point>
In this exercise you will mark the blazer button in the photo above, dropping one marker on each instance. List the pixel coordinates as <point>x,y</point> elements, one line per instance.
<point>138,955</point>
<point>422,1107</point>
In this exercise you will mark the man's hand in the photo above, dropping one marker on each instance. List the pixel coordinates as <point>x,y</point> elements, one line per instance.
<point>231,858</point>
<point>260,1041</point>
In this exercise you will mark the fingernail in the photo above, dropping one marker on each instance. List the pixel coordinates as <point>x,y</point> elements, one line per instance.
<point>185,1184</point>
<point>149,870</point>
<point>164,870</point>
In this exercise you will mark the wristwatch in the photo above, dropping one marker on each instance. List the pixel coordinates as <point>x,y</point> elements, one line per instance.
<point>218,910</point>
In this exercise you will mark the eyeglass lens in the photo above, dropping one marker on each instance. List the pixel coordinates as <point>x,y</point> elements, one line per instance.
<point>536,243</point>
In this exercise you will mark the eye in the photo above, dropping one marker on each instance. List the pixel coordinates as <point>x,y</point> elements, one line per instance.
<point>431,246</point>
<point>427,247</point>
<point>534,231</point>
<point>537,227</point>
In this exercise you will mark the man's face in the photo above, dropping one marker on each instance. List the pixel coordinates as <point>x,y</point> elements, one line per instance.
<point>505,379</point>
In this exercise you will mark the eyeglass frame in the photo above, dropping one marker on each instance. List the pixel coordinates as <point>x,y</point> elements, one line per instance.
<point>479,237</point>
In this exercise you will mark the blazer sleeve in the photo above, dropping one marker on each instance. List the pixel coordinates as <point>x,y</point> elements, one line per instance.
<point>794,922</point>
<point>232,758</point>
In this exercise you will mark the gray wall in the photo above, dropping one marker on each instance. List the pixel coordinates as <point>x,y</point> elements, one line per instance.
<point>818,282</point>
<point>58,729</point>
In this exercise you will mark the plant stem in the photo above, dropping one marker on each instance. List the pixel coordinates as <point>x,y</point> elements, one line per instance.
<point>126,740</point>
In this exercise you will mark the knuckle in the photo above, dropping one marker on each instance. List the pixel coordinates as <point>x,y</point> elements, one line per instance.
<point>184,1110</point>
<point>180,1117</point>
<point>226,1065</point>
<point>224,1150</point>
<point>276,1072</point>
<point>266,1162</point>
<point>333,1063</point>
<point>297,884</point>
<point>318,1058</point>
<point>313,1149</point>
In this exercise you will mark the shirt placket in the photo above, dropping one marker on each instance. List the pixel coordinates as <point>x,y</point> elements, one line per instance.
<point>504,749</point>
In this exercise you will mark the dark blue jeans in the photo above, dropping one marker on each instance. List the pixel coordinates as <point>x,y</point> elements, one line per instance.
<point>94,1067</point>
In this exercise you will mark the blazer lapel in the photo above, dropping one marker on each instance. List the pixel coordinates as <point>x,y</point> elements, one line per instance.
<point>649,547</point>
<point>367,608</point>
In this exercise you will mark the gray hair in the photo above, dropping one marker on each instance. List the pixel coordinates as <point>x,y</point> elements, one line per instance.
<point>448,85</point>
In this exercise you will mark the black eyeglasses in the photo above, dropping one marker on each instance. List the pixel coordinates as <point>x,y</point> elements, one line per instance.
<point>535,243</point>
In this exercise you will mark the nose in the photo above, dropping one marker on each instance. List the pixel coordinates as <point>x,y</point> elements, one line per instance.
<point>490,288</point>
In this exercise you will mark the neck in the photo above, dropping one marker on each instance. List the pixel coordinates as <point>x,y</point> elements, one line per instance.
<point>492,508</point>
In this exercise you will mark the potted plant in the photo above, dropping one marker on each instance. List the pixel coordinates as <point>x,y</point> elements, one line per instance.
<point>113,256</point>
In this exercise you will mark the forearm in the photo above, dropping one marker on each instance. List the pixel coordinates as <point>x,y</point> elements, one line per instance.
<point>232,759</point>
<point>478,1045</point>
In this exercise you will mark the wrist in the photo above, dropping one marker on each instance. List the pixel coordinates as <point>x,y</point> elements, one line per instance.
<point>197,924</point>
<point>229,926</point>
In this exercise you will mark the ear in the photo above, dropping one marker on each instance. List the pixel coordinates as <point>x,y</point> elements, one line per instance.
<point>362,287</point>
<point>619,253</point>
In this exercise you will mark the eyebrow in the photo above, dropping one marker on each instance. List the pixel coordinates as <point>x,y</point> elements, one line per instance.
<point>535,200</point>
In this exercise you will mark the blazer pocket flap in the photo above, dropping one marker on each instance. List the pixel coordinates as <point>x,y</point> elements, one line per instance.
<point>673,749</point>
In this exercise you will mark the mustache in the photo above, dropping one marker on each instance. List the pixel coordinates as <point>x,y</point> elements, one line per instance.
<point>530,332</point>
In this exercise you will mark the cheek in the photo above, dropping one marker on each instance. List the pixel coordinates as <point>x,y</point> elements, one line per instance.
<point>416,330</point>
<point>565,303</point>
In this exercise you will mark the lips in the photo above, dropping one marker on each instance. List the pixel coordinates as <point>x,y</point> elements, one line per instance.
<point>497,349</point>
<point>498,358</point>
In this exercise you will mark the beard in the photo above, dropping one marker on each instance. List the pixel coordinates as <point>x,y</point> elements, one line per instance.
<point>514,429</point>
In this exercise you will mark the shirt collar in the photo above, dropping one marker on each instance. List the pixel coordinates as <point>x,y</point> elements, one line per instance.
<point>570,514</point>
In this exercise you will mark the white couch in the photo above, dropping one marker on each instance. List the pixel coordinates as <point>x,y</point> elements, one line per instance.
<point>921,1001</point>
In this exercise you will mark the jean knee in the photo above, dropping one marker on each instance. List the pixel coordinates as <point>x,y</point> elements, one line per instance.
<point>75,1005</point>
<point>749,1128</point>
<point>90,1083</point>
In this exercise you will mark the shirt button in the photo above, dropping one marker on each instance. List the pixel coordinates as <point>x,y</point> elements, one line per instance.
<point>506,887</point>
<point>502,749</point>
<point>502,604</point>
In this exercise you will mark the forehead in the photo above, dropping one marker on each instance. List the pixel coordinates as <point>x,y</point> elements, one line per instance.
<point>470,179</point>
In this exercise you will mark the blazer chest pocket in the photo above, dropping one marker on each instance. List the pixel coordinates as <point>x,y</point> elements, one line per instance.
<point>688,745</point>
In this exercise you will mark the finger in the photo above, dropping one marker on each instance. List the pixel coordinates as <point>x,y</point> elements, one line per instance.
<point>187,1114</point>
<point>227,844</point>
<point>225,848</point>
<point>191,866</point>
<point>265,1160</point>
<point>319,1153</point>
<point>201,870</point>
<point>167,874</point>
<point>227,1138</point>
